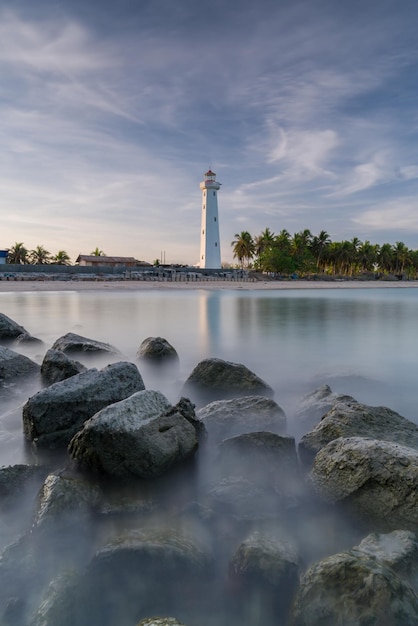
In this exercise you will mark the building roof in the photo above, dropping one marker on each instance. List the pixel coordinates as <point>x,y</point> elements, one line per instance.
<point>105,259</point>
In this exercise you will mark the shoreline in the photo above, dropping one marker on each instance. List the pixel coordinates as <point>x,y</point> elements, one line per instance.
<point>128,285</point>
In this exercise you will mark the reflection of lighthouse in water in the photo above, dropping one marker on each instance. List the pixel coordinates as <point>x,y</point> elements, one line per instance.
<point>210,250</point>
<point>210,333</point>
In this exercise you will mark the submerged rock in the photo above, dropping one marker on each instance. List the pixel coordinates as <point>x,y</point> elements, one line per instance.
<point>216,379</point>
<point>141,436</point>
<point>374,480</point>
<point>353,590</point>
<point>56,366</point>
<point>353,419</point>
<point>10,330</point>
<point>71,343</point>
<point>316,404</point>
<point>157,350</point>
<point>53,415</point>
<point>15,366</point>
<point>228,418</point>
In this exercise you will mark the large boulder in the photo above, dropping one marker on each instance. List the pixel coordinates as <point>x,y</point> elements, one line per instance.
<point>9,329</point>
<point>352,419</point>
<point>316,404</point>
<point>353,590</point>
<point>56,366</point>
<point>140,436</point>
<point>15,366</point>
<point>74,344</point>
<point>216,379</point>
<point>374,480</point>
<point>53,415</point>
<point>228,418</point>
<point>157,351</point>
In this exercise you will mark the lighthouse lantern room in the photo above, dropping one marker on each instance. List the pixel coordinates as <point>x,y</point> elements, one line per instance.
<point>210,250</point>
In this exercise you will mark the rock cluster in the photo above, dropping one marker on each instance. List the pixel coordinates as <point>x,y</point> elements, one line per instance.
<point>137,507</point>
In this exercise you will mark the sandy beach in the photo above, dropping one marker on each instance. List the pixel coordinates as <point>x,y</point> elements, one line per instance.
<point>130,285</point>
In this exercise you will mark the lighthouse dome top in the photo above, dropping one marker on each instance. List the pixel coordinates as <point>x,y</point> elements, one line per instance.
<point>210,174</point>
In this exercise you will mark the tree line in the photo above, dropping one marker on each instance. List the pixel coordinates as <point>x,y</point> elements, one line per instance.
<point>305,254</point>
<point>18,254</point>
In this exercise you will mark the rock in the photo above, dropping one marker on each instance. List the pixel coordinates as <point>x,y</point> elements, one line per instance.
<point>15,366</point>
<point>78,345</point>
<point>186,409</point>
<point>266,460</point>
<point>267,560</point>
<point>228,418</point>
<point>26,339</point>
<point>17,480</point>
<point>139,436</point>
<point>242,500</point>
<point>353,590</point>
<point>144,573</point>
<point>9,329</point>
<point>264,572</point>
<point>56,366</point>
<point>53,415</point>
<point>352,419</point>
<point>215,379</point>
<point>374,480</point>
<point>157,350</point>
<point>67,499</point>
<point>61,603</point>
<point>316,404</point>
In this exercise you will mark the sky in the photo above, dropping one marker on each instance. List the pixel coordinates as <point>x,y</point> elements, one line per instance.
<point>112,110</point>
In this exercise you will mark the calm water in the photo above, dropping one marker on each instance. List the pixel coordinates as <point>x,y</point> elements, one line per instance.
<point>361,342</point>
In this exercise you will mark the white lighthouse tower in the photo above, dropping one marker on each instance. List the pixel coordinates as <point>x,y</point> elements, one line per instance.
<point>210,249</point>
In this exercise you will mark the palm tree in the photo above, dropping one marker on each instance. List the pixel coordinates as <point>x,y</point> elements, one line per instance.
<point>39,256</point>
<point>97,252</point>
<point>401,256</point>
<point>18,254</point>
<point>243,247</point>
<point>385,258</point>
<point>61,258</point>
<point>367,256</point>
<point>319,244</point>
<point>263,241</point>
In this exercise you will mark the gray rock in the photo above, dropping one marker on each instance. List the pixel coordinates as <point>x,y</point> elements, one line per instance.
<point>53,415</point>
<point>16,480</point>
<point>397,550</point>
<point>15,366</point>
<point>134,573</point>
<point>266,460</point>
<point>374,480</point>
<point>268,560</point>
<point>316,404</point>
<point>353,590</point>
<point>157,350</point>
<point>216,379</point>
<point>242,500</point>
<point>74,344</point>
<point>9,329</point>
<point>61,603</point>
<point>139,436</point>
<point>352,419</point>
<point>56,366</point>
<point>26,339</point>
<point>228,418</point>
<point>67,499</point>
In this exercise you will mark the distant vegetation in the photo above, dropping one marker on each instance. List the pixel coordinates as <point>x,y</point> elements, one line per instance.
<point>19,254</point>
<point>307,254</point>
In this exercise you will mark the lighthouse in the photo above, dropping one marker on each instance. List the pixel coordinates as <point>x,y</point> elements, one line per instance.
<point>210,249</point>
